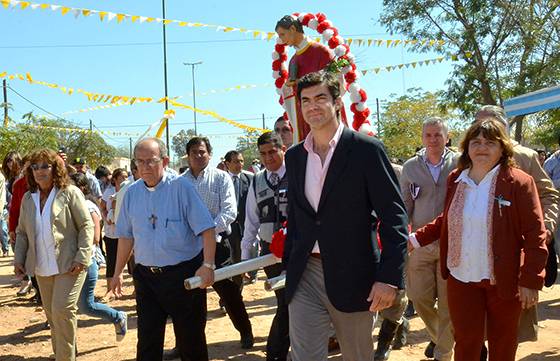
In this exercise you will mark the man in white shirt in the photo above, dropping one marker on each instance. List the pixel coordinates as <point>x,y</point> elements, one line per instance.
<point>265,212</point>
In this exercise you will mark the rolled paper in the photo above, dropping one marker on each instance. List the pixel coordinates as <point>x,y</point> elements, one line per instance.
<point>234,270</point>
<point>275,283</point>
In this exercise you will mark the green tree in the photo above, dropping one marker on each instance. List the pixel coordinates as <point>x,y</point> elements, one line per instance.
<point>247,146</point>
<point>40,132</point>
<point>179,142</point>
<point>508,47</point>
<point>401,122</point>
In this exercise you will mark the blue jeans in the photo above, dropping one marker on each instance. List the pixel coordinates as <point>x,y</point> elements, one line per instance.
<point>87,302</point>
<point>4,235</point>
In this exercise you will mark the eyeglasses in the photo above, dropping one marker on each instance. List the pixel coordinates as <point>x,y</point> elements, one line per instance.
<point>42,166</point>
<point>147,162</point>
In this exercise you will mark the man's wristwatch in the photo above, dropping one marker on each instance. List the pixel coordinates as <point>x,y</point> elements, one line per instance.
<point>212,266</point>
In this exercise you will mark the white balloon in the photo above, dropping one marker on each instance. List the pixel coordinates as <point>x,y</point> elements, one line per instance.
<point>275,74</point>
<point>354,88</point>
<point>361,106</point>
<point>301,16</point>
<point>279,91</point>
<point>313,23</point>
<point>340,50</point>
<point>327,34</point>
<point>275,55</point>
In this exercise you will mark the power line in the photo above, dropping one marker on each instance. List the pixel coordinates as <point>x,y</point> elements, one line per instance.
<point>186,123</point>
<point>154,43</point>
<point>35,105</point>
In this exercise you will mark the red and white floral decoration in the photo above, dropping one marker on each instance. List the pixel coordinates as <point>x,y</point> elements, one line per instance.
<point>341,50</point>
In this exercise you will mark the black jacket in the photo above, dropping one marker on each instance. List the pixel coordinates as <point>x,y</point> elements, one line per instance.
<point>360,181</point>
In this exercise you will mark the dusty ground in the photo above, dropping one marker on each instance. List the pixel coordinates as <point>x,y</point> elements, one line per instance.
<point>22,336</point>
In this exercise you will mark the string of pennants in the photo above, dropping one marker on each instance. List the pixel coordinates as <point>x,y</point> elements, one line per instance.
<point>120,134</point>
<point>414,64</point>
<point>128,99</point>
<point>109,16</point>
<point>205,93</point>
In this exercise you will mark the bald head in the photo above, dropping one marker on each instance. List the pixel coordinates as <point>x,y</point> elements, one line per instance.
<point>150,156</point>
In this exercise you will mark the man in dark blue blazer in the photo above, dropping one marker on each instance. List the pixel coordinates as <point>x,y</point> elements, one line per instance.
<point>342,190</point>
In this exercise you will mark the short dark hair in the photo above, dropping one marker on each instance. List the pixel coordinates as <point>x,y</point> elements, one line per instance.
<point>102,171</point>
<point>270,138</point>
<point>198,141</point>
<point>317,78</point>
<point>231,154</point>
<point>288,21</point>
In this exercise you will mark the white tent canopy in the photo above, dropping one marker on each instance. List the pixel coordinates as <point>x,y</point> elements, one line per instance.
<point>533,102</point>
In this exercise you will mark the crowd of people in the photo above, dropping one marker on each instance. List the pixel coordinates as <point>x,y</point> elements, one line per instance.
<point>463,236</point>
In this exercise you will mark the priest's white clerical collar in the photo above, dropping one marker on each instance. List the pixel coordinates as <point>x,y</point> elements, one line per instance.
<point>304,43</point>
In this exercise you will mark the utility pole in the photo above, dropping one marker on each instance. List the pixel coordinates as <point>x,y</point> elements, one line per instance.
<point>130,148</point>
<point>378,118</point>
<point>165,75</point>
<point>192,65</point>
<point>264,126</point>
<point>91,126</point>
<point>5,91</point>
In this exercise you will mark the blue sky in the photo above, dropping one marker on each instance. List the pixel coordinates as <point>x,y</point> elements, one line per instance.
<point>37,41</point>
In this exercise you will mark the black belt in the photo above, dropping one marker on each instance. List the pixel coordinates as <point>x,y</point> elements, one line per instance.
<point>159,270</point>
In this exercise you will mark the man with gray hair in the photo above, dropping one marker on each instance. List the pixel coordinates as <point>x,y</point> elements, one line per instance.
<point>172,233</point>
<point>424,187</point>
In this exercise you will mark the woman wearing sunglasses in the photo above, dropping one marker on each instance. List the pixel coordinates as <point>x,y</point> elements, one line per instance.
<point>54,241</point>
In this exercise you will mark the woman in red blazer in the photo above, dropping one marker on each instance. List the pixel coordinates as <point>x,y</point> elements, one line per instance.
<point>492,238</point>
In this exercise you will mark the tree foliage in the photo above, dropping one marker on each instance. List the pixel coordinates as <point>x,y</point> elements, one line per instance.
<point>509,47</point>
<point>40,132</point>
<point>179,141</point>
<point>247,146</point>
<point>402,118</point>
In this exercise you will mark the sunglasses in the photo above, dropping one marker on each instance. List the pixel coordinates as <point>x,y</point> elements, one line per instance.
<point>41,166</point>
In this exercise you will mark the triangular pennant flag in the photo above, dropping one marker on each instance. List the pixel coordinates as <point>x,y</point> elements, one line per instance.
<point>44,6</point>
<point>468,54</point>
<point>441,42</point>
<point>3,74</point>
<point>158,20</point>
<point>167,21</point>
<point>454,57</point>
<point>364,72</point>
<point>349,41</point>
<point>379,42</point>
<point>29,79</point>
<point>228,29</point>
<point>400,66</point>
<point>183,23</point>
<point>149,20</point>
<point>397,42</point>
<point>55,7</point>
<point>407,65</point>
<point>120,17</point>
<point>413,64</point>
<point>256,34</point>
<point>359,41</point>
<point>134,18</point>
<point>111,16</point>
<point>86,12</point>
<point>406,42</point>
<point>64,10</point>
<point>24,4</point>
<point>143,19</point>
<point>427,62</point>
<point>440,59</point>
<point>389,42</point>
<point>388,68</point>
<point>76,12</point>
<point>432,42</point>
<point>5,3</point>
<point>102,15</point>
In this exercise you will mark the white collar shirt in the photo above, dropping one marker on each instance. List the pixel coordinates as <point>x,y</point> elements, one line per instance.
<point>44,239</point>
<point>316,171</point>
<point>474,266</point>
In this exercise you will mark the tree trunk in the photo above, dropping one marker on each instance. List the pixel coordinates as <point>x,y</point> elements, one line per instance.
<point>518,120</point>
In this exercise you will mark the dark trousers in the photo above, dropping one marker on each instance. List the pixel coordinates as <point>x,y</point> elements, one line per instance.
<point>470,305</point>
<point>231,296</point>
<point>162,294</point>
<point>278,342</point>
<point>235,245</point>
